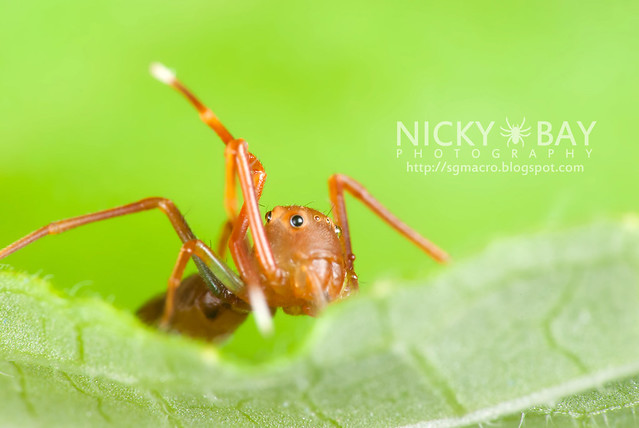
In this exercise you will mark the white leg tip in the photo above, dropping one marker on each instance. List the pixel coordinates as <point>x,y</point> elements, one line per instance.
<point>261,311</point>
<point>162,73</point>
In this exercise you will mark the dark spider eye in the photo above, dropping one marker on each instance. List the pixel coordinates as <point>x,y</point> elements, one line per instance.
<point>268,216</point>
<point>338,231</point>
<point>297,221</point>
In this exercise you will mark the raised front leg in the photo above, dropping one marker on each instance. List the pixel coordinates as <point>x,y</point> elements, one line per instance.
<point>252,177</point>
<point>241,163</point>
<point>168,77</point>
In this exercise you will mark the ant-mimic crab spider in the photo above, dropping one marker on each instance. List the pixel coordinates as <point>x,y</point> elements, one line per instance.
<point>301,260</point>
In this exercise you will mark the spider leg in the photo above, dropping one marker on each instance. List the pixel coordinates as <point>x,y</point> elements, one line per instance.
<point>522,123</point>
<point>504,134</point>
<point>252,176</point>
<point>192,249</point>
<point>263,314</point>
<point>164,75</point>
<point>504,129</point>
<point>245,165</point>
<point>165,205</point>
<point>230,200</point>
<point>338,184</point>
<point>509,125</point>
<point>223,240</point>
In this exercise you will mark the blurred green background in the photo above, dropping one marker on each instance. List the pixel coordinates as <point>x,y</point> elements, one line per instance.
<point>315,88</point>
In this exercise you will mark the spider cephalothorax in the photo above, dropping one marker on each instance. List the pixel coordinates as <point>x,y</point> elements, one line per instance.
<point>306,245</point>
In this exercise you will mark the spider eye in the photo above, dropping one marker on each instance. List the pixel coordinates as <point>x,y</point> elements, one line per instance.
<point>297,220</point>
<point>338,231</point>
<point>268,216</point>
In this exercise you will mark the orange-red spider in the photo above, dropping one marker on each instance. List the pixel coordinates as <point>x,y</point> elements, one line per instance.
<point>301,259</point>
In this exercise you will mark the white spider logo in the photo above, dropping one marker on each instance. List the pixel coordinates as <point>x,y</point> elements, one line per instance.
<point>515,133</point>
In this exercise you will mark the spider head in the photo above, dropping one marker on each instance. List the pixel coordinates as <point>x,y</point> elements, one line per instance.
<point>295,231</point>
<point>306,245</point>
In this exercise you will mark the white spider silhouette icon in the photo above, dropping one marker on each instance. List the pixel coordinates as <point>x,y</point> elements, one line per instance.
<point>515,133</point>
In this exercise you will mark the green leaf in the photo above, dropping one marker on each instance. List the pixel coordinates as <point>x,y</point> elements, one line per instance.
<point>533,328</point>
